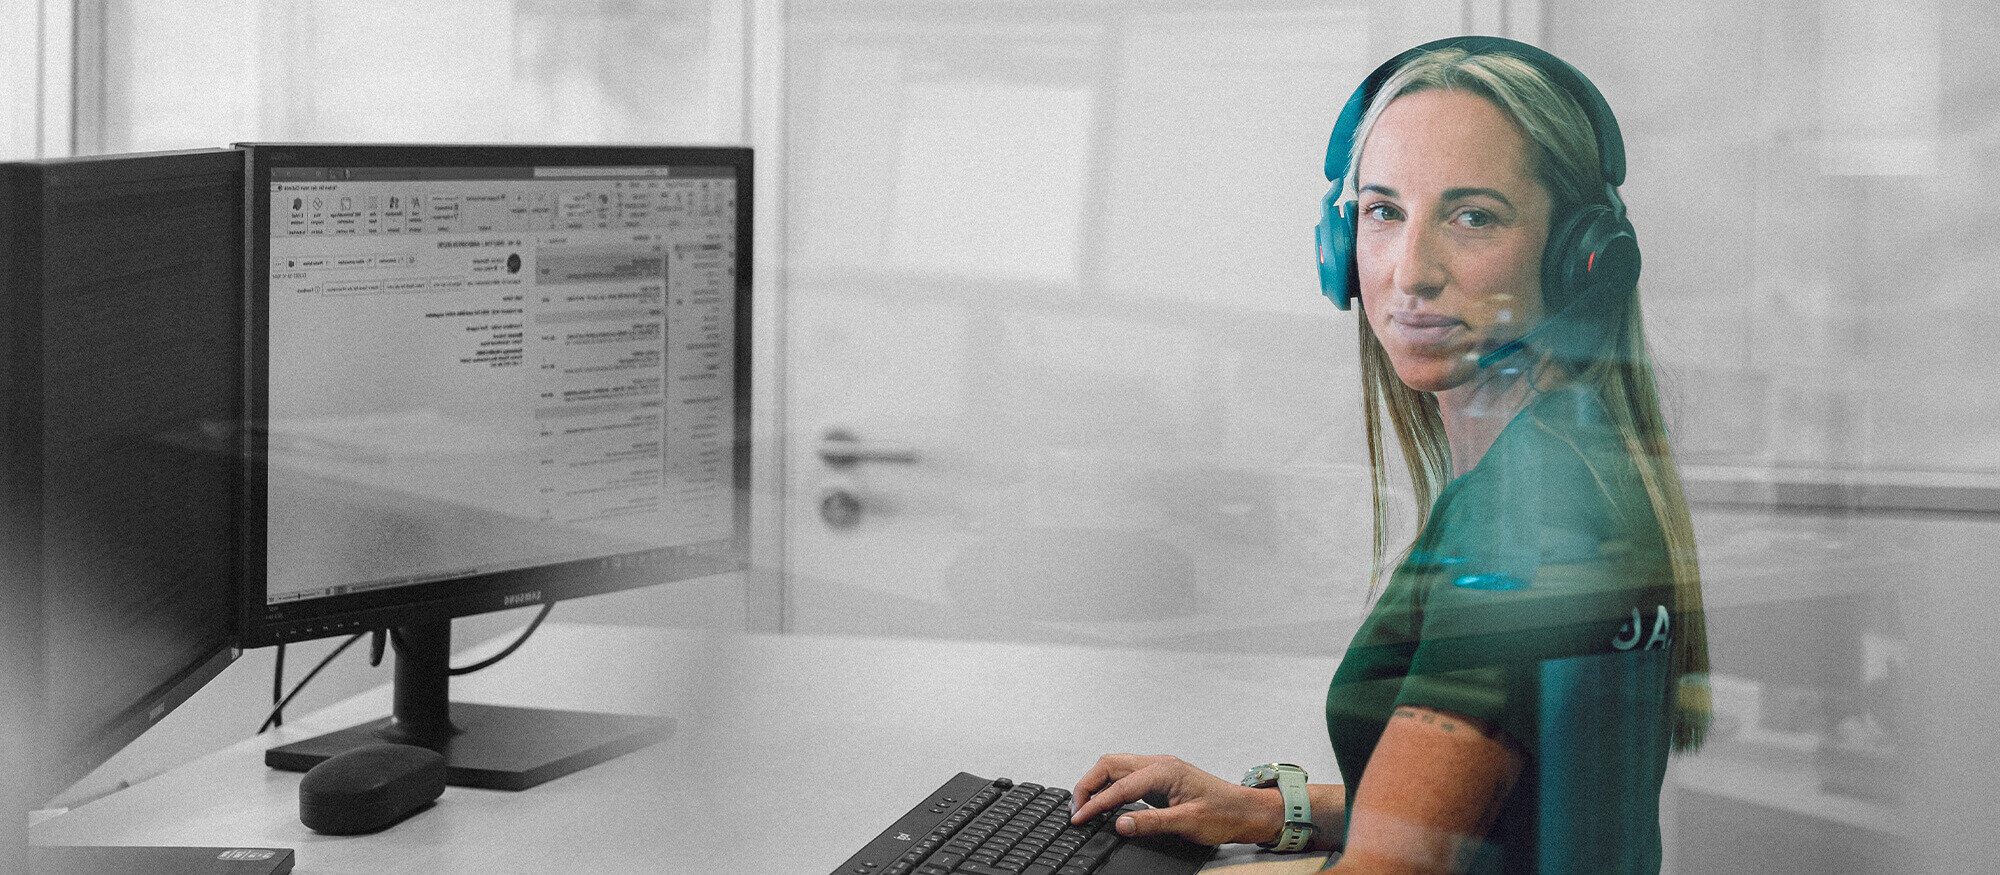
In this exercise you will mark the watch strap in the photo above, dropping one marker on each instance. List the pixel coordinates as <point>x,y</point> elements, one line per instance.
<point>1298,829</point>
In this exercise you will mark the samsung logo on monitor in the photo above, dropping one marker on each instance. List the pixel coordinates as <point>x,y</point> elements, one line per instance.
<point>522,598</point>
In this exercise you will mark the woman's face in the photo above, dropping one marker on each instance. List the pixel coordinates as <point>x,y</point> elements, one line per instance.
<point>1449,239</point>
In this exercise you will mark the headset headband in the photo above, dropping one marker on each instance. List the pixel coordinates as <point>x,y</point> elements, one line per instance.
<point>1610,146</point>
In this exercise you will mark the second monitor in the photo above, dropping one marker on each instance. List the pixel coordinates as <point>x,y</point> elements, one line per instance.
<point>484,377</point>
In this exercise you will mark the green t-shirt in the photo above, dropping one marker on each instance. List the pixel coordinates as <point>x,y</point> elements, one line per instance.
<point>1537,599</point>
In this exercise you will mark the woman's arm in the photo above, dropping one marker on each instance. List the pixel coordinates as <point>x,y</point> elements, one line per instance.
<point>1432,789</point>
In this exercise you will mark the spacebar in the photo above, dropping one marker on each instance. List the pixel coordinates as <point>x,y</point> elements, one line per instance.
<point>1093,850</point>
<point>1088,856</point>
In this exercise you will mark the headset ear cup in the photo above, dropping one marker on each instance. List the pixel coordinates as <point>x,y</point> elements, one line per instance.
<point>1336,250</point>
<point>1590,266</point>
<point>1593,251</point>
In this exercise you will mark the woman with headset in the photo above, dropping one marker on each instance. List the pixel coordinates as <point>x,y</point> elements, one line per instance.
<point>1510,701</point>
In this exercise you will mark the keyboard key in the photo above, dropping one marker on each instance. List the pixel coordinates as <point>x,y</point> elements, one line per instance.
<point>1095,849</point>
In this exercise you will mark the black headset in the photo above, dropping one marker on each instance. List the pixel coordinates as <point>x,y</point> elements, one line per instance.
<point>1591,249</point>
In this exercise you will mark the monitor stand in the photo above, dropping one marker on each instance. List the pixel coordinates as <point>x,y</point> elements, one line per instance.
<point>488,746</point>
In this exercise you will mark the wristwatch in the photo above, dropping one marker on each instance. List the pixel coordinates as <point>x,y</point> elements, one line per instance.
<point>1291,783</point>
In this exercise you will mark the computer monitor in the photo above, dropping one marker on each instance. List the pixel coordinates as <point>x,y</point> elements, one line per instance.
<point>483,377</point>
<point>121,383</point>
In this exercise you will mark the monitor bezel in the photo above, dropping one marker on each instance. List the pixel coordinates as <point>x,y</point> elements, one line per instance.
<point>261,624</point>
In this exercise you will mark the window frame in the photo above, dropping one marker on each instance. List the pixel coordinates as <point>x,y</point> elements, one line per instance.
<point>37,73</point>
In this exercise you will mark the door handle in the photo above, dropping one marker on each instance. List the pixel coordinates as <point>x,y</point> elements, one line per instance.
<point>841,449</point>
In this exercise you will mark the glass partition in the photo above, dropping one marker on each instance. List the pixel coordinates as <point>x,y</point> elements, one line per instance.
<point>1805,178</point>
<point>1056,367</point>
<point>1053,255</point>
<point>1060,254</point>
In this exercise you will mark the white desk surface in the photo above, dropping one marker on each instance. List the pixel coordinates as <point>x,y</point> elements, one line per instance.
<point>823,741</point>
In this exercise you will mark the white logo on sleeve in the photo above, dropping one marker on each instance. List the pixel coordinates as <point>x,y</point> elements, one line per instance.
<point>1628,634</point>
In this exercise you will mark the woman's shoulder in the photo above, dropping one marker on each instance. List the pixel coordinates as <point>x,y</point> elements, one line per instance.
<point>1567,430</point>
<point>1571,416</point>
<point>1563,459</point>
<point>1556,507</point>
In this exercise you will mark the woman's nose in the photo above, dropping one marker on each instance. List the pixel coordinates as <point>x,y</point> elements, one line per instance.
<point>1420,267</point>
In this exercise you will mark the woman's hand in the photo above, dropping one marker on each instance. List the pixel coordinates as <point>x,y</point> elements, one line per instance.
<point>1187,801</point>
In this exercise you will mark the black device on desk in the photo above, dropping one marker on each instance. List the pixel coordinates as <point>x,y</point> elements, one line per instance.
<point>114,860</point>
<point>121,316</point>
<point>975,826</point>
<point>485,377</point>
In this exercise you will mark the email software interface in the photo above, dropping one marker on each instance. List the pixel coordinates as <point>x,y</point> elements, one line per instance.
<point>473,370</point>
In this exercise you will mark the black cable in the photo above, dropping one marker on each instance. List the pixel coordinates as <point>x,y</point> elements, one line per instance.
<point>537,621</point>
<point>279,710</point>
<point>277,715</point>
<point>278,689</point>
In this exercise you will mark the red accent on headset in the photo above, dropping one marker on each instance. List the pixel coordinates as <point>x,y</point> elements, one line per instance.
<point>1588,263</point>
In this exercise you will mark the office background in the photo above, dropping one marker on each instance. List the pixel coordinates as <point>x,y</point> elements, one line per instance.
<point>1051,259</point>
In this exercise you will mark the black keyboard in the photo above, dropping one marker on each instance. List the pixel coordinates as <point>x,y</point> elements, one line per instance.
<point>976,826</point>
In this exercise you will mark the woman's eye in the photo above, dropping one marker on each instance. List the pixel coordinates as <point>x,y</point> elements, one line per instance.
<point>1380,212</point>
<point>1475,218</point>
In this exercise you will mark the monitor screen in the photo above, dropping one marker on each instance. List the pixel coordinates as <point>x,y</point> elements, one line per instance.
<point>490,377</point>
<point>121,315</point>
<point>483,377</point>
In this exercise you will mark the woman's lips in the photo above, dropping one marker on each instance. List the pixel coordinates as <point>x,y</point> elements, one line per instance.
<point>1424,329</point>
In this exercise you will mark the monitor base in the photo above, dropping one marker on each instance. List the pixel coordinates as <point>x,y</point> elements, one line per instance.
<point>499,748</point>
<point>144,860</point>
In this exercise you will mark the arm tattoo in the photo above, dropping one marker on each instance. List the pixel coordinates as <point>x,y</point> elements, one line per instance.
<point>1446,721</point>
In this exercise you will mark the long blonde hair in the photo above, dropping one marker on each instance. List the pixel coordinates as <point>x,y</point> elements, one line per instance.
<point>1614,363</point>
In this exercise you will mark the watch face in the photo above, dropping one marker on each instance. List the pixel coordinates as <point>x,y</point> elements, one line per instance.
<point>1267,776</point>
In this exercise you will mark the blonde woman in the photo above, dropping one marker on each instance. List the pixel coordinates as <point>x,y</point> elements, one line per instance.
<point>1511,700</point>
